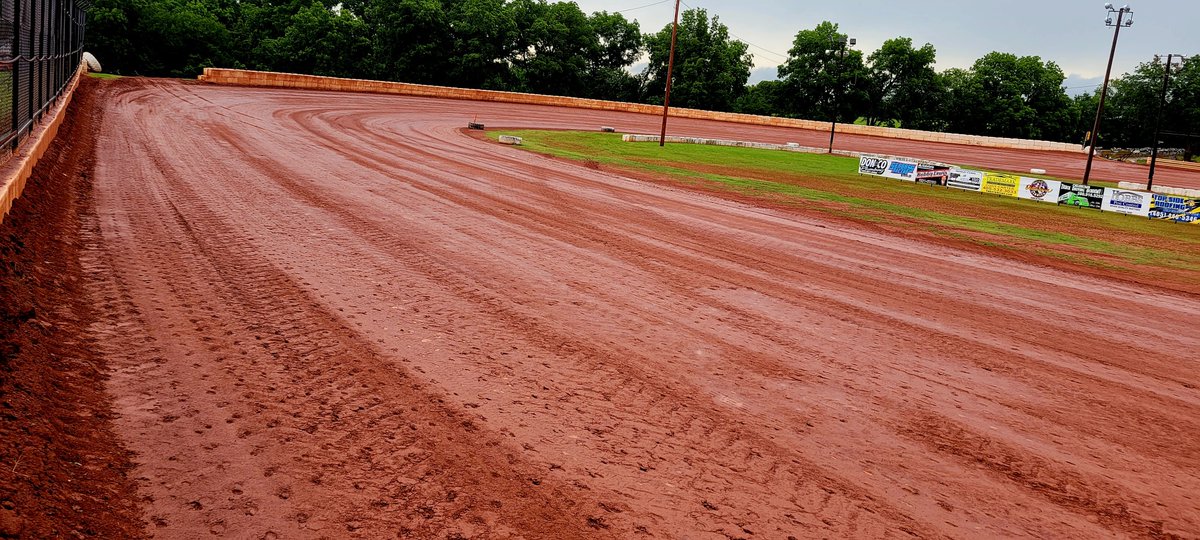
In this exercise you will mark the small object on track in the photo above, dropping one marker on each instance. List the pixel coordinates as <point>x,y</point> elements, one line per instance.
<point>1037,171</point>
<point>509,139</point>
<point>474,125</point>
<point>608,129</point>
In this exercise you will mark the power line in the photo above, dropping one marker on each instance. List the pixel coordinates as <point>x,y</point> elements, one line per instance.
<point>642,7</point>
<point>747,42</point>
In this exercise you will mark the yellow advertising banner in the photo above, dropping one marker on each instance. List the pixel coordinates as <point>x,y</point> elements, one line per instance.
<point>1001,184</point>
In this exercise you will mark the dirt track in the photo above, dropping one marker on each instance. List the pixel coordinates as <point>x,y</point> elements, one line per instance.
<point>334,314</point>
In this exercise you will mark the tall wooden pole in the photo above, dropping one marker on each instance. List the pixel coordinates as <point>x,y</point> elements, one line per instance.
<point>1087,171</point>
<point>662,138</point>
<point>1162,104</point>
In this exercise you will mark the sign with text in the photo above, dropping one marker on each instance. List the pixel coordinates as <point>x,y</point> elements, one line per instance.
<point>1175,208</point>
<point>934,175</point>
<point>1080,195</point>
<point>888,168</point>
<point>1135,203</point>
<point>965,179</point>
<point>901,170</point>
<point>1037,189</point>
<point>872,165</point>
<point>1000,184</point>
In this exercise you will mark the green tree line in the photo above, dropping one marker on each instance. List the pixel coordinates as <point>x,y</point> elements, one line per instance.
<point>555,48</point>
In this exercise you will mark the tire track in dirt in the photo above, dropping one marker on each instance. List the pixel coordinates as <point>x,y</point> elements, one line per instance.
<point>679,364</point>
<point>376,163</point>
<point>284,422</point>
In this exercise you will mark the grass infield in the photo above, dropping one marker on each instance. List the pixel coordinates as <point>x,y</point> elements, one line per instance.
<point>1170,252</point>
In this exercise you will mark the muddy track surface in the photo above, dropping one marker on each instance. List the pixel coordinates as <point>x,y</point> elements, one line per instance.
<point>334,315</point>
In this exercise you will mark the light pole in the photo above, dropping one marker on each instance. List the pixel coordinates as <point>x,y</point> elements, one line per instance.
<point>662,139</point>
<point>1162,105</point>
<point>841,45</point>
<point>1121,21</point>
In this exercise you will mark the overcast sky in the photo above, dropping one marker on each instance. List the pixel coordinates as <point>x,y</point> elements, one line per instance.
<point>1069,32</point>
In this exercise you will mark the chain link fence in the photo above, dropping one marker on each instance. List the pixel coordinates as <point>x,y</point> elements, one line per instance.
<point>41,42</point>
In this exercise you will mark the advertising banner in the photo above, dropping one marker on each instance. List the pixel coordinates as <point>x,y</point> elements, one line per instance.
<point>1037,189</point>
<point>965,179</point>
<point>933,175</point>
<point>872,165</point>
<point>1135,203</point>
<point>1081,195</point>
<point>1175,208</point>
<point>901,170</point>
<point>1000,184</point>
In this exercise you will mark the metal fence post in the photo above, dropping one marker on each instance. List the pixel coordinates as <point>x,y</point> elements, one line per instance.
<point>16,74</point>
<point>45,53</point>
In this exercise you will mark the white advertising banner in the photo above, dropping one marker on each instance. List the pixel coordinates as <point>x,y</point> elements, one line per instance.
<point>888,168</point>
<point>1037,189</point>
<point>901,170</point>
<point>965,179</point>
<point>872,165</point>
<point>1136,203</point>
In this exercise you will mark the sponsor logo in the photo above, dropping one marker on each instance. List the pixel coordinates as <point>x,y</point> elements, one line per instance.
<point>1038,189</point>
<point>872,165</point>
<point>1127,199</point>
<point>902,169</point>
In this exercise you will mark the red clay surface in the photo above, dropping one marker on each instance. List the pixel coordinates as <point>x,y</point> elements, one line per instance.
<point>333,315</point>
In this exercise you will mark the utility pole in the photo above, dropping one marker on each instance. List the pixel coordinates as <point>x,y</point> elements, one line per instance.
<point>1162,105</point>
<point>1087,172</point>
<point>662,139</point>
<point>837,91</point>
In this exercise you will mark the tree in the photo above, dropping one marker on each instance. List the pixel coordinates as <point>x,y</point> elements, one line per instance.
<point>554,45</point>
<point>321,42</point>
<point>762,99</point>
<point>1183,109</point>
<point>1021,97</point>
<point>1083,110</point>
<point>409,40</point>
<point>175,38</point>
<point>1135,100</point>
<point>254,24</point>
<point>618,45</point>
<point>711,69</point>
<point>113,33</point>
<point>822,77</point>
<point>483,37</point>
<point>1004,95</point>
<point>903,86</point>
<point>960,110</point>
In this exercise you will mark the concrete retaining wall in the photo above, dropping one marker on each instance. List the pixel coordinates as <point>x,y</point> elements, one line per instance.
<point>312,82</point>
<point>1177,164</point>
<point>1135,186</point>
<point>17,169</point>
